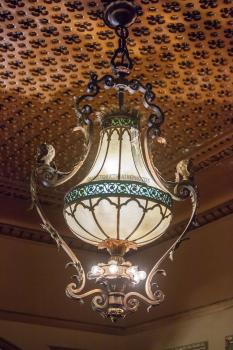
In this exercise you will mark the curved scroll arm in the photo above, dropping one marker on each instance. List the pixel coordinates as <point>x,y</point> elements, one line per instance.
<point>99,301</point>
<point>73,292</point>
<point>46,169</point>
<point>120,83</point>
<point>75,288</point>
<point>183,189</point>
<point>93,88</point>
<point>156,119</point>
<point>131,300</point>
<point>183,171</point>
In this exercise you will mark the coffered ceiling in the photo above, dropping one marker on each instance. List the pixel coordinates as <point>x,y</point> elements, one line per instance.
<point>48,48</point>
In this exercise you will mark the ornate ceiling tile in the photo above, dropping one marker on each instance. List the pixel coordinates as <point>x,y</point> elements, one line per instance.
<point>48,48</point>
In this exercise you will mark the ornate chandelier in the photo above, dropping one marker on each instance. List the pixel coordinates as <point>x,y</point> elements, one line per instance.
<point>123,202</point>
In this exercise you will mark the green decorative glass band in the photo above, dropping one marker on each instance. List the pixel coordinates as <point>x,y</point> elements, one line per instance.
<point>120,122</point>
<point>117,188</point>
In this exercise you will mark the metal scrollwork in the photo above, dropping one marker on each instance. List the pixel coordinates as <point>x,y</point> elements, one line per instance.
<point>46,170</point>
<point>84,112</point>
<point>73,289</point>
<point>183,185</point>
<point>100,302</point>
<point>183,189</point>
<point>183,171</point>
<point>132,300</point>
<point>47,226</point>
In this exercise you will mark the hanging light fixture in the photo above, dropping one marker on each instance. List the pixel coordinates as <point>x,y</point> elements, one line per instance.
<point>123,203</point>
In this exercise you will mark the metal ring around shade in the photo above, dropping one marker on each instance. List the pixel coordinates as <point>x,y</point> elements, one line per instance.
<point>114,188</point>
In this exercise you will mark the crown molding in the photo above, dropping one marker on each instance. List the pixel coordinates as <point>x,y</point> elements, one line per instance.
<point>41,236</point>
<point>14,316</point>
<point>197,312</point>
<point>210,153</point>
<point>202,219</point>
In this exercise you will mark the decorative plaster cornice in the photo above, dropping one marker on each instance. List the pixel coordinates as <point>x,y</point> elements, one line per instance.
<point>40,236</point>
<point>202,219</point>
<point>196,312</point>
<point>210,153</point>
<point>60,322</point>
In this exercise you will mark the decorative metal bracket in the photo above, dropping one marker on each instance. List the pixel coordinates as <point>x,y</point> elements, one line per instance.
<point>108,303</point>
<point>74,289</point>
<point>184,171</point>
<point>84,112</point>
<point>46,170</point>
<point>183,190</point>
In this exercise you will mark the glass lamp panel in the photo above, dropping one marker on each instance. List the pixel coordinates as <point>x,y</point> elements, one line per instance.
<point>152,228</point>
<point>136,151</point>
<point>118,209</point>
<point>111,165</point>
<point>100,158</point>
<point>151,225</point>
<point>140,162</point>
<point>120,158</point>
<point>134,223</point>
<point>88,220</point>
<point>129,216</point>
<point>106,214</point>
<point>80,231</point>
<point>85,221</point>
<point>128,170</point>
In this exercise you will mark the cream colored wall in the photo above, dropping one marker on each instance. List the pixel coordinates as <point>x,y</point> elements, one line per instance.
<point>210,324</point>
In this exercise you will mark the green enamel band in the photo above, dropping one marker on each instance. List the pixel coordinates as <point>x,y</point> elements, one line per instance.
<point>101,189</point>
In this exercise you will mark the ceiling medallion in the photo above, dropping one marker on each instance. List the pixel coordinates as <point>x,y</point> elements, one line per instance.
<point>123,203</point>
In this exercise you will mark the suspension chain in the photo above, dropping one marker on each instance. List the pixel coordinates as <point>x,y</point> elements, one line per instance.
<point>121,62</point>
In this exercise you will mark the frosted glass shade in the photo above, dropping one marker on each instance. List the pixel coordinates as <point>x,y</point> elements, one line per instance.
<point>119,198</point>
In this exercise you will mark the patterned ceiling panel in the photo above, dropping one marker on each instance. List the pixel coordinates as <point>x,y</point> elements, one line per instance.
<point>48,48</point>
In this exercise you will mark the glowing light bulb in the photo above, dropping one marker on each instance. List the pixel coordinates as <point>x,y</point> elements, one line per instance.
<point>132,270</point>
<point>136,277</point>
<point>96,270</point>
<point>113,269</point>
<point>142,275</point>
